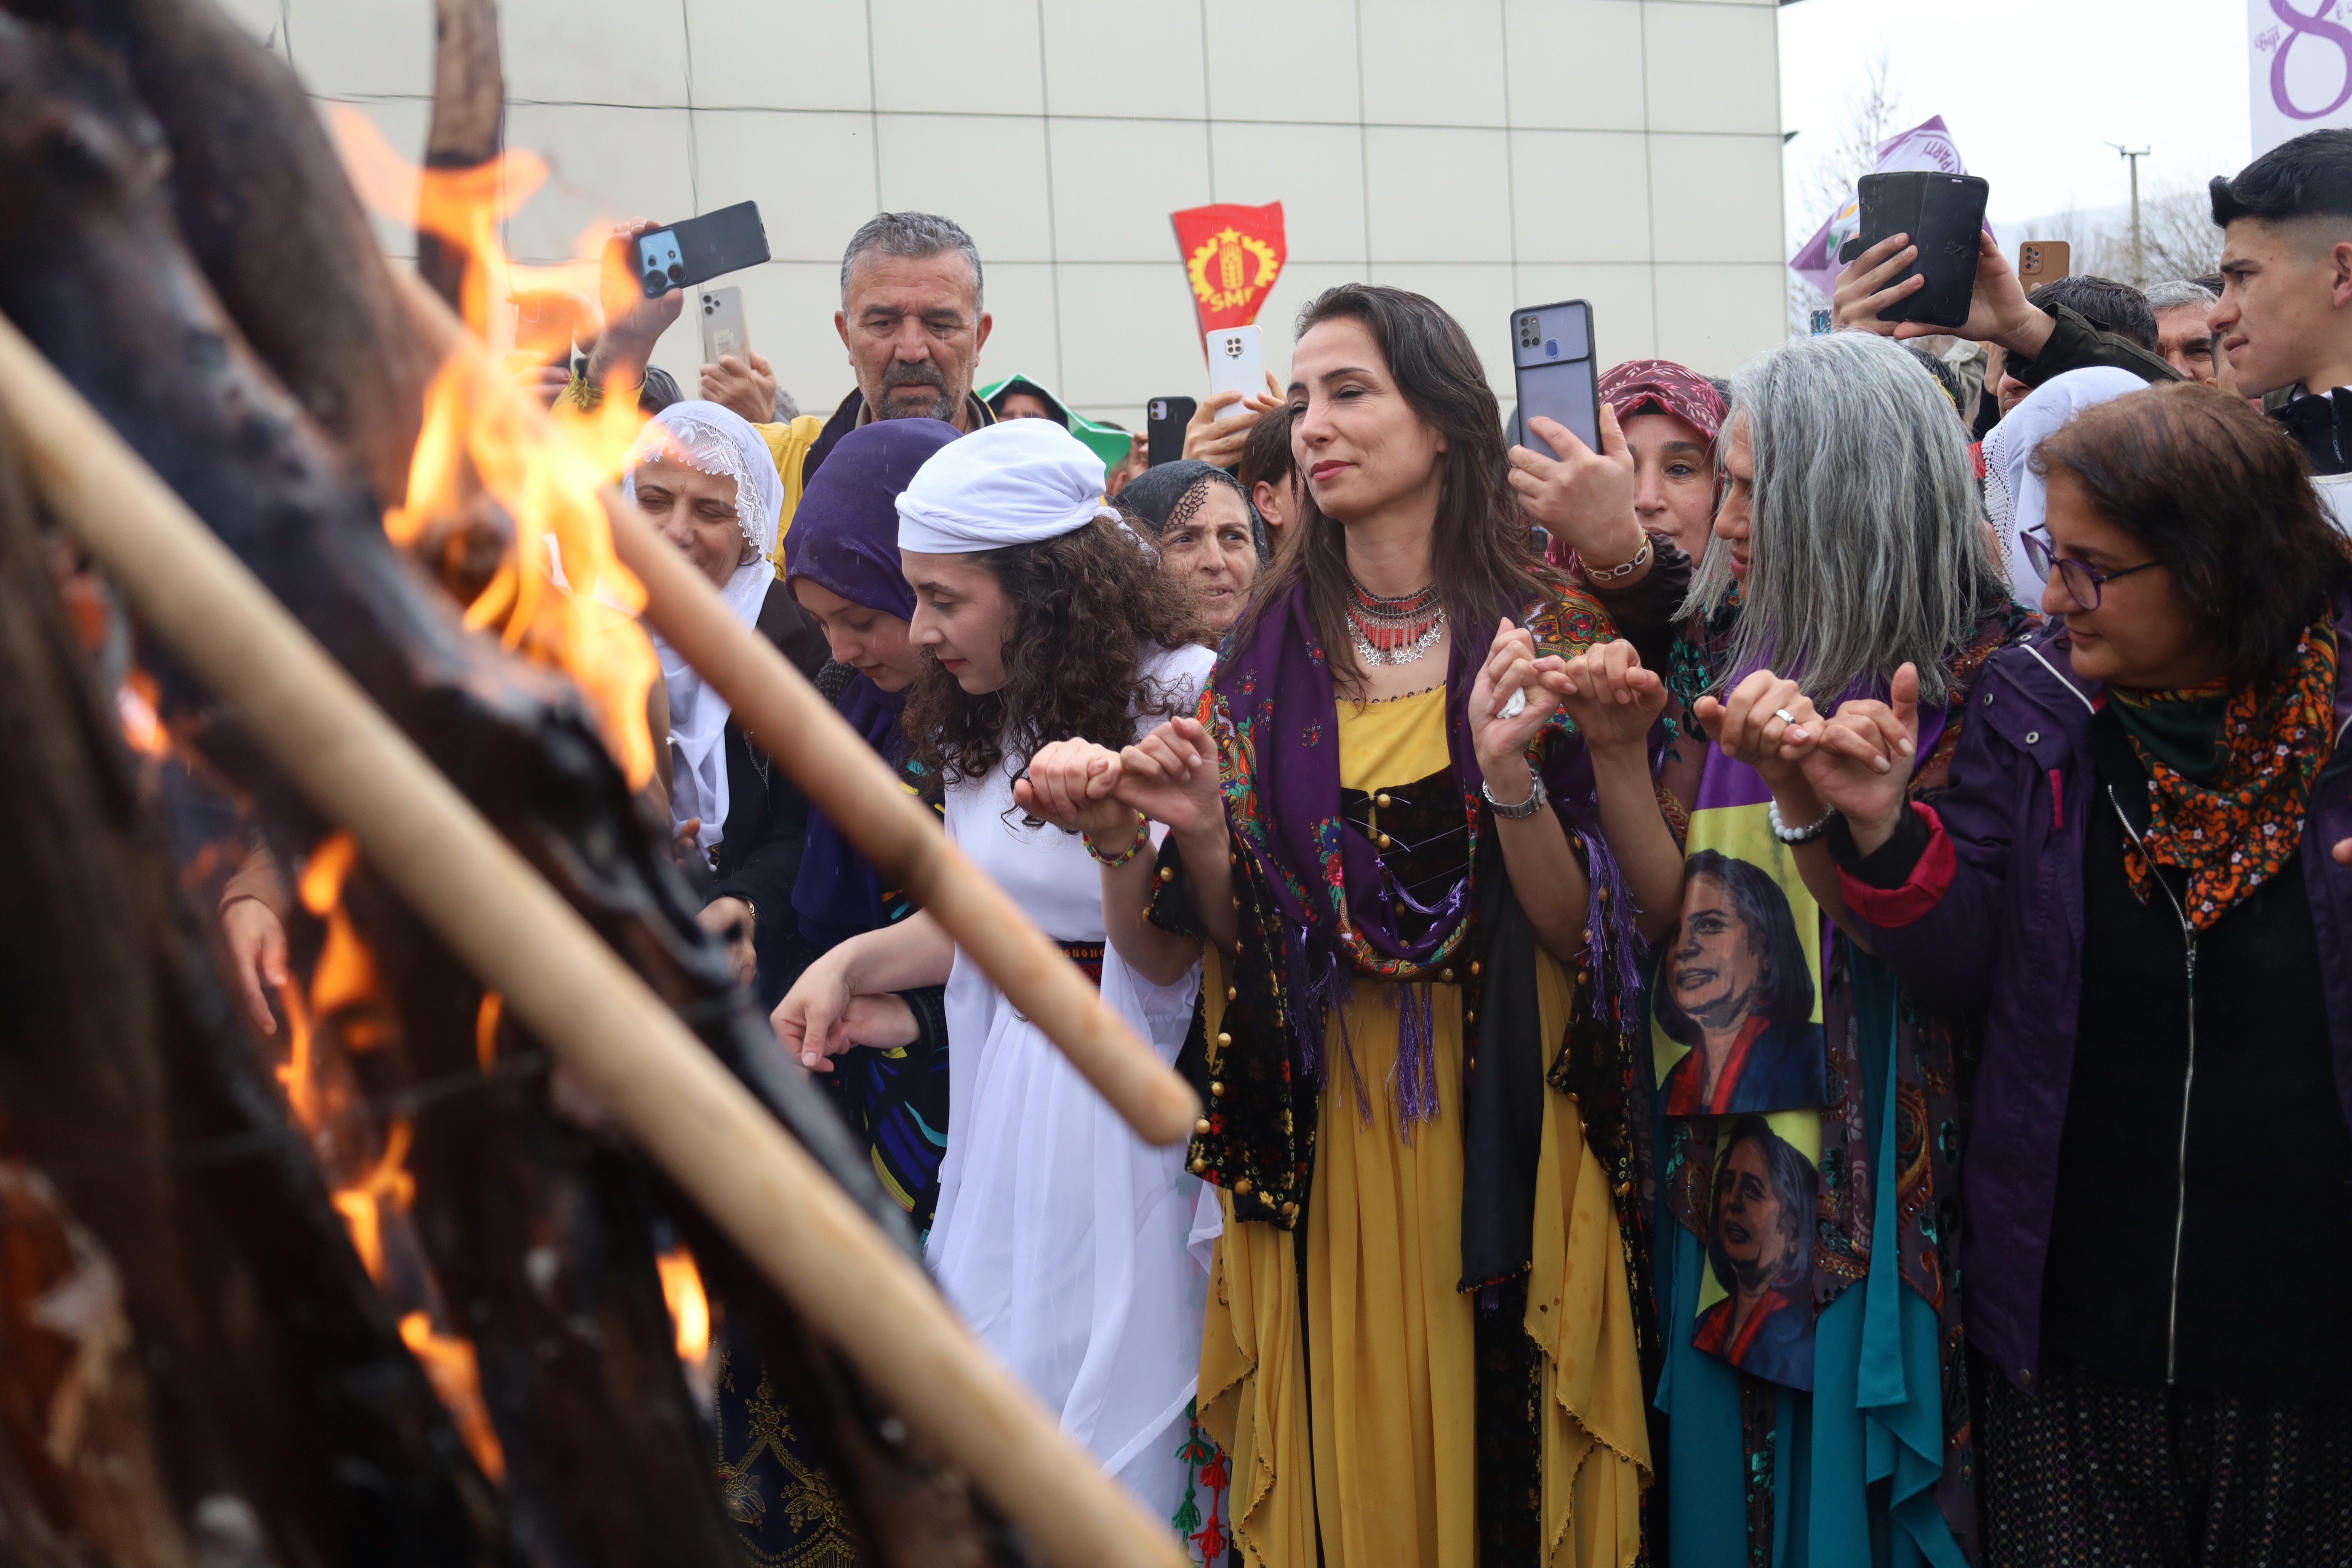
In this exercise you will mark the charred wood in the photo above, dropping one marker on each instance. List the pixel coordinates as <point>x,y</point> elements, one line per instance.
<point>188,1343</point>
<point>502,1188</point>
<point>469,112</point>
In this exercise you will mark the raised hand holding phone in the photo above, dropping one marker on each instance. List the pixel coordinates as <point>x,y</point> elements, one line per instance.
<point>1584,498</point>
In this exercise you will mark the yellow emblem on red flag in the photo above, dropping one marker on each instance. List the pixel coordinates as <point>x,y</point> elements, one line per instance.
<point>1231,257</point>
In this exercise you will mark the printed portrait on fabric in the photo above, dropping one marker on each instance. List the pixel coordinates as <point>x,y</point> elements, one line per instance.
<point>1738,1017</point>
<point>1756,1306</point>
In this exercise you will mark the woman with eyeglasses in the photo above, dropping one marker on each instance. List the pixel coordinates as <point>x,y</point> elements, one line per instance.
<point>2131,871</point>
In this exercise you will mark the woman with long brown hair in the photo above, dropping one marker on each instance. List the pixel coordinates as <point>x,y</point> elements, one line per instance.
<point>1421,1341</point>
<point>1060,1235</point>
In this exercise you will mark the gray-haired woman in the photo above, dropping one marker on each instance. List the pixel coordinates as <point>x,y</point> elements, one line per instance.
<point>1849,541</point>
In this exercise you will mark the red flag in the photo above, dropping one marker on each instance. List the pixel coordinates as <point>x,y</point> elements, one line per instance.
<point>1231,257</point>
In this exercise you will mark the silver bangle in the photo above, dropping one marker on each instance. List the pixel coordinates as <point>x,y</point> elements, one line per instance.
<point>1805,835</point>
<point>1537,800</point>
<point>1612,574</point>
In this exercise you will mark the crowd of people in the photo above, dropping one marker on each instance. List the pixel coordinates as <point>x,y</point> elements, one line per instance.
<point>1736,979</point>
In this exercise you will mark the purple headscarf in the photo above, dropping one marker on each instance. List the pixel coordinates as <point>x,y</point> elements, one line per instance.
<point>845,537</point>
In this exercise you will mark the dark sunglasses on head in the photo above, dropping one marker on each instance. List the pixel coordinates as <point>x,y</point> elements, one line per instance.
<point>2083,581</point>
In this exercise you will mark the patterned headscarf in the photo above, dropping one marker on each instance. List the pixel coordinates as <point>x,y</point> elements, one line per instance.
<point>844,538</point>
<point>1662,386</point>
<point>712,440</point>
<point>1656,387</point>
<point>1166,495</point>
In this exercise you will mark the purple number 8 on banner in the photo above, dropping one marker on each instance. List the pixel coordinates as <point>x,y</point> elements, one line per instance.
<point>2317,26</point>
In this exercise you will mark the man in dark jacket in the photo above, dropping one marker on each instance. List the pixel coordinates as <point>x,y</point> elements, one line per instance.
<point>2285,316</point>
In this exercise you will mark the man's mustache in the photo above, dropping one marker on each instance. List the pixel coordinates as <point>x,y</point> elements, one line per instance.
<point>918,373</point>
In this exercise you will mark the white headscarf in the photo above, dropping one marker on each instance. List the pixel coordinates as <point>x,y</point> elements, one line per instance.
<point>1013,483</point>
<point>714,440</point>
<point>2016,498</point>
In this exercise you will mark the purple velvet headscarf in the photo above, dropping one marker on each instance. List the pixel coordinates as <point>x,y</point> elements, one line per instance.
<point>845,537</point>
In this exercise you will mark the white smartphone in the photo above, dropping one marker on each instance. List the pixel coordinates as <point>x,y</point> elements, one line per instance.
<point>722,325</point>
<point>1237,361</point>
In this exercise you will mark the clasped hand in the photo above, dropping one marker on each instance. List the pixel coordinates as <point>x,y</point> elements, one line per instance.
<point>1857,762</point>
<point>1170,775</point>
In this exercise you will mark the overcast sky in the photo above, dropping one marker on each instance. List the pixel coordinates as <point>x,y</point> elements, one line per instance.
<point>2032,91</point>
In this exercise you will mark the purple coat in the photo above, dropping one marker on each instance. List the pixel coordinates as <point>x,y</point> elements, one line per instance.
<point>1992,918</point>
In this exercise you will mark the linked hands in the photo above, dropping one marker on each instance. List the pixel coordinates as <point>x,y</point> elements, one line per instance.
<point>1611,697</point>
<point>1858,761</point>
<point>1170,775</point>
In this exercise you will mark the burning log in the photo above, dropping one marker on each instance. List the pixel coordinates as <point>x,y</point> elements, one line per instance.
<point>699,1124</point>
<point>470,108</point>
<point>262,202</point>
<point>226,440</point>
<point>188,1347</point>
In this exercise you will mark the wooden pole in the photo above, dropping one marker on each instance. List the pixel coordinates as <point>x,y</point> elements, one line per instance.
<point>703,1128</point>
<point>835,767</point>
<point>840,773</point>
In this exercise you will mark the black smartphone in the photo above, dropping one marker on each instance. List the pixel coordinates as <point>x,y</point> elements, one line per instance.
<point>700,248</point>
<point>1943,214</point>
<point>1163,424</point>
<point>1553,367</point>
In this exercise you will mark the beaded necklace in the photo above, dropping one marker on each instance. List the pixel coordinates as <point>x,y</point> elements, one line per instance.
<point>1393,631</point>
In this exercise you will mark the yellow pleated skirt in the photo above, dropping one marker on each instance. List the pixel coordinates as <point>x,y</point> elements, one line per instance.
<point>1382,1459</point>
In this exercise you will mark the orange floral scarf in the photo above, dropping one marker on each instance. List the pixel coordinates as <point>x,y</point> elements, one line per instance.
<point>2233,829</point>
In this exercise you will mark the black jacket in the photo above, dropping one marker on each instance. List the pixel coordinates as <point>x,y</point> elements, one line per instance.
<point>767,816</point>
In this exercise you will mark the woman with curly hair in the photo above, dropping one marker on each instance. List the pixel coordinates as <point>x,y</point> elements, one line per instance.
<point>1421,1347</point>
<point>1060,1235</point>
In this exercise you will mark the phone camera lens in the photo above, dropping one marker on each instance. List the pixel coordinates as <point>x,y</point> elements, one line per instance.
<point>677,273</point>
<point>652,282</point>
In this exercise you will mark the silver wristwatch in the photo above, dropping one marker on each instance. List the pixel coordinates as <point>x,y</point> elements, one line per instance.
<point>1537,800</point>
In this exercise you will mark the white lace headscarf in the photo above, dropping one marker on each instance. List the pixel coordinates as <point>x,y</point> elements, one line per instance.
<point>2016,498</point>
<point>714,440</point>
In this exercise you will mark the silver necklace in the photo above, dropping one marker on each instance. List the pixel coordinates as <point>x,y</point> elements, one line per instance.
<point>1393,631</point>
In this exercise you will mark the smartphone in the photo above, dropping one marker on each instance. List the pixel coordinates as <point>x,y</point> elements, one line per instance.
<point>700,248</point>
<point>722,325</point>
<point>1556,376</point>
<point>1236,361</point>
<point>1943,214</point>
<point>1163,426</point>
<point>2041,261</point>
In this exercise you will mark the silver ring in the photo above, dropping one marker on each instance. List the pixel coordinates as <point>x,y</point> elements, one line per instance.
<point>1783,715</point>
<point>1515,705</point>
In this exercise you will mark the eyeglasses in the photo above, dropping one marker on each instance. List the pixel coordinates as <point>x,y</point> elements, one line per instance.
<point>2083,581</point>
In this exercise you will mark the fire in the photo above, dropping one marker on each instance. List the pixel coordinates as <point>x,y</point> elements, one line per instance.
<point>136,707</point>
<point>689,1316</point>
<point>375,1200</point>
<point>361,1205</point>
<point>689,1308</point>
<point>485,1031</point>
<point>456,1375</point>
<point>560,595</point>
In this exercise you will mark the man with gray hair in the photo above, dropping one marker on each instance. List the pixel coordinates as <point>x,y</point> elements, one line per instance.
<point>2184,333</point>
<point>913,318</point>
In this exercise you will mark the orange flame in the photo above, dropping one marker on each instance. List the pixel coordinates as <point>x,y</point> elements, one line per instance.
<point>560,595</point>
<point>689,1308</point>
<point>456,1375</point>
<point>295,1072</point>
<point>361,1205</point>
<point>135,706</point>
<point>486,1030</point>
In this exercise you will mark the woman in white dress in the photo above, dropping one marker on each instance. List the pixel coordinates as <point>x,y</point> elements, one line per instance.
<point>1061,1236</point>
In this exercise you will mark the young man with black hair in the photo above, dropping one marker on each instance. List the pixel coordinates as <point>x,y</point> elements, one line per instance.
<point>2285,315</point>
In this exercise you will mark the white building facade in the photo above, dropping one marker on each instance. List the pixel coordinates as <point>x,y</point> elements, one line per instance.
<point>1488,154</point>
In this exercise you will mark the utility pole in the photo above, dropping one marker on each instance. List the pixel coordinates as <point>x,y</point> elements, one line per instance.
<point>2140,256</point>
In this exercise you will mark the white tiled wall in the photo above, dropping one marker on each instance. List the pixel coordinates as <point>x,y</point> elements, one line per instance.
<point>1487,153</point>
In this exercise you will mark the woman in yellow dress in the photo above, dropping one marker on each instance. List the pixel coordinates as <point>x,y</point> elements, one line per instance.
<point>1422,1343</point>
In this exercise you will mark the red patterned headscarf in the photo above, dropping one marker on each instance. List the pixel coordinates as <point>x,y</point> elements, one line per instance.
<point>1656,387</point>
<point>1662,386</point>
